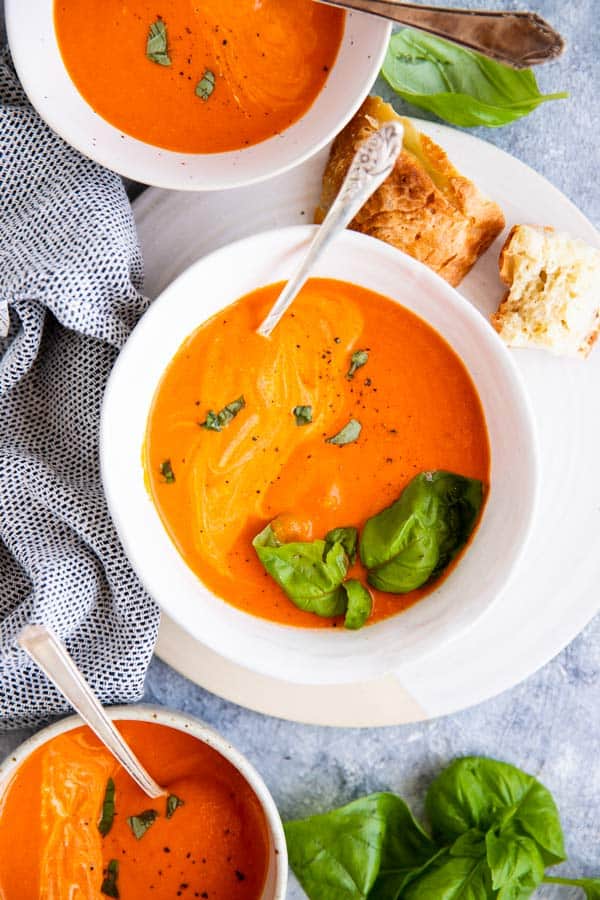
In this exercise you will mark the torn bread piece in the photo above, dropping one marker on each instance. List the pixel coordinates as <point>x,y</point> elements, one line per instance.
<point>425,208</point>
<point>553,301</point>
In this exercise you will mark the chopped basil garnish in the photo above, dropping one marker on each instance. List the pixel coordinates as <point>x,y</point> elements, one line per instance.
<point>156,45</point>
<point>109,885</point>
<point>140,824</point>
<point>172,803</point>
<point>108,809</point>
<point>166,470</point>
<point>206,85</point>
<point>302,414</point>
<point>358,359</point>
<point>217,421</point>
<point>347,435</point>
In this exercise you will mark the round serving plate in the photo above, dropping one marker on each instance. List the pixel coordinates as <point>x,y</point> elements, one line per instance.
<point>553,593</point>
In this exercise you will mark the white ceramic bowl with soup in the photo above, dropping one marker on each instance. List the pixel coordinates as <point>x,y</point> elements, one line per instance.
<point>304,654</point>
<point>63,770</point>
<point>52,89</point>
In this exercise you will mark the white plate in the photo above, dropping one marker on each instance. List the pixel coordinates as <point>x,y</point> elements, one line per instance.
<point>555,591</point>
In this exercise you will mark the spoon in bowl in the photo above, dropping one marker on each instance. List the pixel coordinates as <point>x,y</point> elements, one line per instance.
<point>519,39</point>
<point>372,163</point>
<point>52,658</point>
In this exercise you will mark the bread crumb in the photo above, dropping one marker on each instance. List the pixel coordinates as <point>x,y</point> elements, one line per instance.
<point>553,298</point>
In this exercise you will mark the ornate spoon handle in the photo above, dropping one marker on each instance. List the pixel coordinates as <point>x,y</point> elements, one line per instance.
<point>52,658</point>
<point>4,318</point>
<point>373,162</point>
<point>520,39</point>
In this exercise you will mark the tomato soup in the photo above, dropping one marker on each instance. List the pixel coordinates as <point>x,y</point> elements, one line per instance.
<point>213,844</point>
<point>218,74</point>
<point>215,490</point>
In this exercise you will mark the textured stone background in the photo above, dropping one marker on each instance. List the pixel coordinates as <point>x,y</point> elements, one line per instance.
<point>550,724</point>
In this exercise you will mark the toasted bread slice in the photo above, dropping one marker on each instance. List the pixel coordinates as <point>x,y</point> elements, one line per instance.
<point>553,301</point>
<point>426,207</point>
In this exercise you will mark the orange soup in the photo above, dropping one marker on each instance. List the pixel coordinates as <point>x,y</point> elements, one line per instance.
<point>216,490</point>
<point>212,76</point>
<point>214,843</point>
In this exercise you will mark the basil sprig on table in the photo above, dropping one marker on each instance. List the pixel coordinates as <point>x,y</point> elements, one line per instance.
<point>415,538</point>
<point>495,830</point>
<point>362,850</point>
<point>459,85</point>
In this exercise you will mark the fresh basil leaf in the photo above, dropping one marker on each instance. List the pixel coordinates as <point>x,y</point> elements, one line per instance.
<point>173,803</point>
<point>206,85</point>
<point>108,809</point>
<point>347,537</point>
<point>309,576</point>
<point>416,537</point>
<point>166,470</point>
<point>348,434</point>
<point>475,792</point>
<point>141,823</point>
<point>157,45</point>
<point>358,359</point>
<point>515,863</point>
<point>109,884</point>
<point>366,848</point>
<point>360,604</point>
<point>471,843</point>
<point>303,415</point>
<point>218,421</point>
<point>392,883</point>
<point>452,878</point>
<point>459,85</point>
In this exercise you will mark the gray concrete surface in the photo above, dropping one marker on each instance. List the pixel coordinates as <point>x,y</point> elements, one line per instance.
<point>550,724</point>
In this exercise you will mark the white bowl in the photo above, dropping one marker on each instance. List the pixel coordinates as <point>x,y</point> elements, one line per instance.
<point>325,655</point>
<point>277,873</point>
<point>38,61</point>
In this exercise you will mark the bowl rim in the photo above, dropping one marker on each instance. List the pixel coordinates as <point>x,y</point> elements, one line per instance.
<point>176,175</point>
<point>180,721</point>
<point>371,664</point>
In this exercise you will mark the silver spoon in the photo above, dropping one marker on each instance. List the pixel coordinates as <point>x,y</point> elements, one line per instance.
<point>519,39</point>
<point>372,163</point>
<point>52,658</point>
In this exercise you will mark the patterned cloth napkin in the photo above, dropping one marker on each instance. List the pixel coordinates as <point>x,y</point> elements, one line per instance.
<point>70,276</point>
